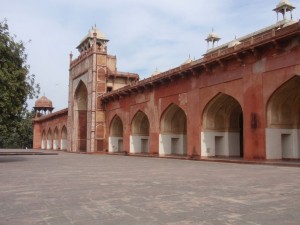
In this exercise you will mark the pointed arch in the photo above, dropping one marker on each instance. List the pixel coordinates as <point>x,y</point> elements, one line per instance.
<point>55,139</point>
<point>222,127</point>
<point>221,113</point>
<point>81,96</point>
<point>116,127</point>
<point>64,138</point>
<point>140,124</point>
<point>173,131</point>
<point>49,139</point>
<point>80,116</point>
<point>139,139</point>
<point>116,135</point>
<point>283,121</point>
<point>173,120</point>
<point>44,140</point>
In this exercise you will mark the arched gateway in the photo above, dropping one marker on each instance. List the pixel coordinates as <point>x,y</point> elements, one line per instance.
<point>172,138</point>
<point>64,141</point>
<point>55,140</point>
<point>80,115</point>
<point>139,139</point>
<point>283,128</point>
<point>222,128</point>
<point>49,139</point>
<point>116,135</point>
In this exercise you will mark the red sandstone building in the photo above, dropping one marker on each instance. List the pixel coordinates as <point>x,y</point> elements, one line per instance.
<point>242,99</point>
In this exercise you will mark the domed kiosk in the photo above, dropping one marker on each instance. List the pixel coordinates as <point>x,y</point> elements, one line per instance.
<point>43,106</point>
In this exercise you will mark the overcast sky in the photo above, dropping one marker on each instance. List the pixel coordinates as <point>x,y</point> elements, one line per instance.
<point>143,34</point>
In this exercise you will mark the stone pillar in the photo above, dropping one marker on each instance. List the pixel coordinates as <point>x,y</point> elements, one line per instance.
<point>37,137</point>
<point>254,114</point>
<point>193,125</point>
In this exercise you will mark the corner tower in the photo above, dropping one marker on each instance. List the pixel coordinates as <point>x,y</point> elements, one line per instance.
<point>91,74</point>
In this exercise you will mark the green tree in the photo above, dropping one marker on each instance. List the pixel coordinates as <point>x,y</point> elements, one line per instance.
<point>16,86</point>
<point>21,133</point>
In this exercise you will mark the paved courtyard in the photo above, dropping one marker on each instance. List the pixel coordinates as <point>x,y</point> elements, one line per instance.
<point>101,189</point>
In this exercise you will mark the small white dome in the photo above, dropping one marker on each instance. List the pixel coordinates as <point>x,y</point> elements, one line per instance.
<point>234,43</point>
<point>284,2</point>
<point>99,34</point>
<point>189,60</point>
<point>156,72</point>
<point>213,36</point>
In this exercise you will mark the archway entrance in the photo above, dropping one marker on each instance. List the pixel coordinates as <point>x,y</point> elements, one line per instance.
<point>64,139</point>
<point>55,140</point>
<point>139,139</point>
<point>49,139</point>
<point>222,125</point>
<point>81,117</point>
<point>283,129</point>
<point>172,139</point>
<point>116,135</point>
<point>44,141</point>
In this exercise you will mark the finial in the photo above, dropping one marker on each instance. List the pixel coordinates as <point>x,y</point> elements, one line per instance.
<point>189,60</point>
<point>71,56</point>
<point>155,72</point>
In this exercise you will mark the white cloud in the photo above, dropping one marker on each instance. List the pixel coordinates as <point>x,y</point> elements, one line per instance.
<point>143,34</point>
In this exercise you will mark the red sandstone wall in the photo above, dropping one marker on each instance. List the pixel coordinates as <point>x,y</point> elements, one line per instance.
<point>251,83</point>
<point>50,122</point>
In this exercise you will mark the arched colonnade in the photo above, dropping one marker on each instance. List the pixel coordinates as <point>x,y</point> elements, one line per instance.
<point>55,139</point>
<point>222,128</point>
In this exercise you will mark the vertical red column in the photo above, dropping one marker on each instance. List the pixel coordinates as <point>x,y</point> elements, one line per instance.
<point>254,116</point>
<point>37,136</point>
<point>193,120</point>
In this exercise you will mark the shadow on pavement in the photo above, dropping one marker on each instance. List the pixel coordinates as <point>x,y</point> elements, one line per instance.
<point>7,159</point>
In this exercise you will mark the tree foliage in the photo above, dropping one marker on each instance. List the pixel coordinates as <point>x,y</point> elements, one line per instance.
<point>21,133</point>
<point>16,86</point>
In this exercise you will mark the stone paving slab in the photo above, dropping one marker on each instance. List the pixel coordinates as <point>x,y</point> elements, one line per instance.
<point>276,162</point>
<point>80,189</point>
